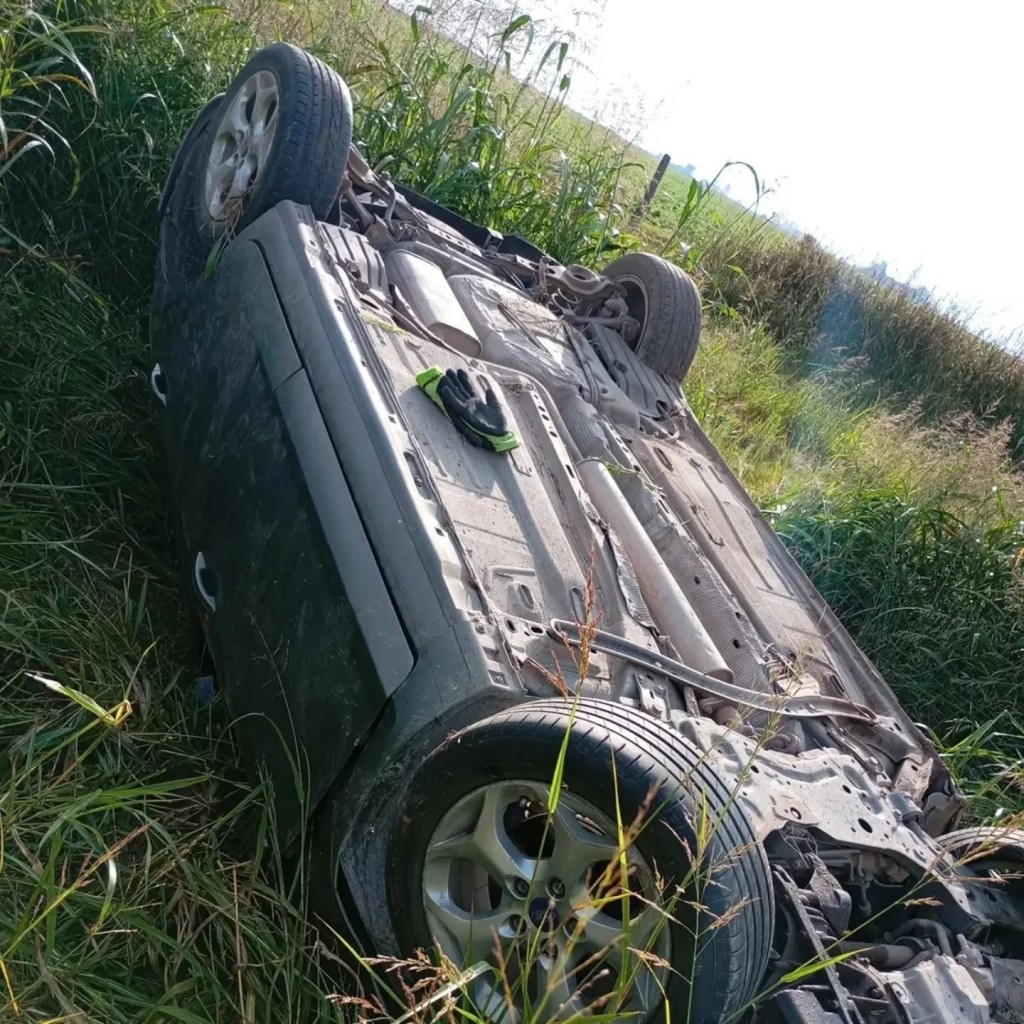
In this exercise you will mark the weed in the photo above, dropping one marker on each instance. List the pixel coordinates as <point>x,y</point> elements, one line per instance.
<point>932,597</point>
<point>41,71</point>
<point>135,859</point>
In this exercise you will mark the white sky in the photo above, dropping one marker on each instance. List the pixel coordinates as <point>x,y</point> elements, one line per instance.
<point>888,130</point>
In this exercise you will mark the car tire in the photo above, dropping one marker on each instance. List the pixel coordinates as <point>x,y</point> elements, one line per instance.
<point>983,842</point>
<point>666,302</point>
<point>995,856</point>
<point>181,250</point>
<point>199,126</point>
<point>284,132</point>
<point>726,901</point>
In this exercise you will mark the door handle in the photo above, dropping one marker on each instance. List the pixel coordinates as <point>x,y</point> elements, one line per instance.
<point>205,580</point>
<point>158,383</point>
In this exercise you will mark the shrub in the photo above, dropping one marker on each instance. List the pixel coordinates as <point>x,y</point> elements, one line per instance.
<point>826,314</point>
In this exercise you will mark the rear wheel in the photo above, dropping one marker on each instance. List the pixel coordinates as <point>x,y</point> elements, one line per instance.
<point>666,303</point>
<point>282,131</point>
<point>489,863</point>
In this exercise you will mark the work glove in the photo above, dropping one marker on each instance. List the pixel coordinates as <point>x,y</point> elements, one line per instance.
<point>480,421</point>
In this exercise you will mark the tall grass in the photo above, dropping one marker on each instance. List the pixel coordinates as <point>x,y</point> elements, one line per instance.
<point>134,881</point>
<point>825,313</point>
<point>935,598</point>
<point>39,71</point>
<point>448,119</point>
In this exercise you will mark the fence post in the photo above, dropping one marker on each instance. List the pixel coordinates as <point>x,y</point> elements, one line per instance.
<point>652,190</point>
<point>648,196</point>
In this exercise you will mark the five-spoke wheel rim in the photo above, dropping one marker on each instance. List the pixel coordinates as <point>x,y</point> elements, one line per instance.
<point>507,882</point>
<point>241,146</point>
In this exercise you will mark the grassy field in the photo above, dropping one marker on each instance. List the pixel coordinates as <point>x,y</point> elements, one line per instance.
<point>137,879</point>
<point>911,528</point>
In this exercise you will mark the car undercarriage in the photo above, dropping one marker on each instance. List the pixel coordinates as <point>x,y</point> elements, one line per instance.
<point>418,629</point>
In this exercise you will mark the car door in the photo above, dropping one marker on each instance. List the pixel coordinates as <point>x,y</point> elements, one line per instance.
<point>278,559</point>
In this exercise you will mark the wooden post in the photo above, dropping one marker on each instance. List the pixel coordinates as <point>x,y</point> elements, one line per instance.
<point>652,189</point>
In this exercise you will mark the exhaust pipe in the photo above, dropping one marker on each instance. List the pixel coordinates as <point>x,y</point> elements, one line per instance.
<point>666,600</point>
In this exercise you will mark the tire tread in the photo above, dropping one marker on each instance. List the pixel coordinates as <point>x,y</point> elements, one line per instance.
<point>671,332</point>
<point>652,757</point>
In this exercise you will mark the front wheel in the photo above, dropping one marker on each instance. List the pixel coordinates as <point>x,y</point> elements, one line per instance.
<point>994,856</point>
<point>666,303</point>
<point>983,842</point>
<point>635,879</point>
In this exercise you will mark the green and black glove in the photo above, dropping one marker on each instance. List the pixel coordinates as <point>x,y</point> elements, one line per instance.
<point>481,421</point>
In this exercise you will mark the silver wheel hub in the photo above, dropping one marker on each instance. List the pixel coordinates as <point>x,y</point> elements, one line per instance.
<point>241,146</point>
<point>540,897</point>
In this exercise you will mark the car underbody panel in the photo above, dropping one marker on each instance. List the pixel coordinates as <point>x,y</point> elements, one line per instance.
<point>611,554</point>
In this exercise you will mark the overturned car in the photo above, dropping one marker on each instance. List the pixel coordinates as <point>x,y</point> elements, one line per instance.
<point>527,668</point>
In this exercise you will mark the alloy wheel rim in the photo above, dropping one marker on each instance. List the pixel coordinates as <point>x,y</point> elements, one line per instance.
<point>507,883</point>
<point>241,146</point>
